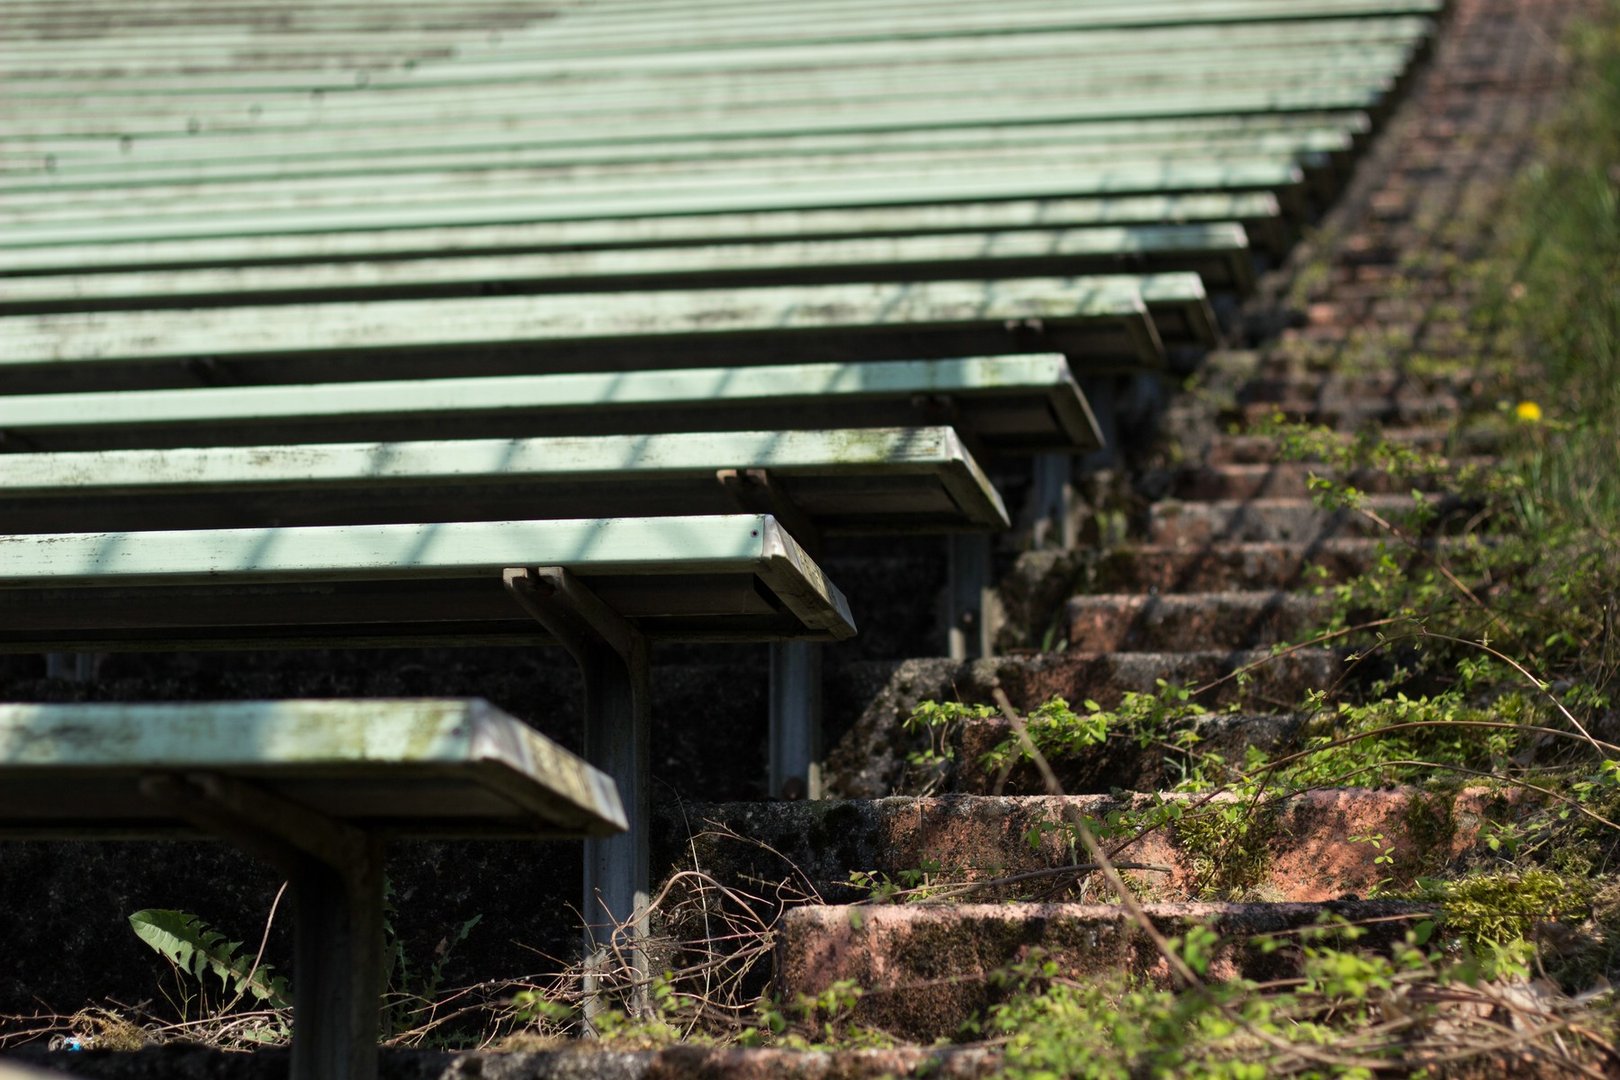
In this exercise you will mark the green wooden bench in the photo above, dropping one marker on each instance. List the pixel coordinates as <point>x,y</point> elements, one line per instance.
<point>1019,403</point>
<point>376,62</point>
<point>147,165</point>
<point>601,588</point>
<point>902,480</point>
<point>1096,320</point>
<point>529,230</point>
<point>625,106</point>
<point>779,71</point>
<point>518,201</point>
<point>314,787</point>
<point>1218,252</point>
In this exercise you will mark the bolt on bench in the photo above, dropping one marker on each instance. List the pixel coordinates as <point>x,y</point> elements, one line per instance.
<point>314,787</point>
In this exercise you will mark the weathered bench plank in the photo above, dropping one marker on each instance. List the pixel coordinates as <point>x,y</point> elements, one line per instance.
<point>1256,211</point>
<point>732,578</point>
<point>1040,180</point>
<point>1009,403</point>
<point>1092,318</point>
<point>374,61</point>
<point>1217,252</point>
<point>557,171</point>
<point>136,113</point>
<point>883,479</point>
<point>455,149</point>
<point>446,768</point>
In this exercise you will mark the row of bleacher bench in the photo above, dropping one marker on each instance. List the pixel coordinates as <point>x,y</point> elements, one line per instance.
<point>376,324</point>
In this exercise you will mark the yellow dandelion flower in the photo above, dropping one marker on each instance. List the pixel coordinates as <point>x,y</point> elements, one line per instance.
<point>1529,412</point>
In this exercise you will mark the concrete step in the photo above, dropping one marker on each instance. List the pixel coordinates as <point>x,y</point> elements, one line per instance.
<point>926,969</point>
<point>867,754</point>
<point>1299,521</point>
<point>1221,567</point>
<point>1175,621</point>
<point>1289,479</point>
<point>982,848</point>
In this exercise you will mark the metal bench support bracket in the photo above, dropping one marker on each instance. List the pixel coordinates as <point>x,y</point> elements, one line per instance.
<point>612,658</point>
<point>336,875</point>
<point>795,693</point>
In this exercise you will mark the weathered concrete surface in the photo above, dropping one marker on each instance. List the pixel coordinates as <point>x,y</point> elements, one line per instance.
<point>1301,846</point>
<point>577,1061</point>
<point>927,969</point>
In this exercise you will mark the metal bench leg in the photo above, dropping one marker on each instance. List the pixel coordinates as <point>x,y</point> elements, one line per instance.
<point>612,658</point>
<point>1102,392</point>
<point>336,874</point>
<point>77,667</point>
<point>1050,511</point>
<point>795,743</point>
<point>969,631</point>
<point>795,740</point>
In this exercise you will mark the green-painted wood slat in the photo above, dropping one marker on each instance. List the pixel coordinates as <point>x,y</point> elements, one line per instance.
<point>732,578</point>
<point>855,21</point>
<point>418,767</point>
<point>389,67</point>
<point>558,179</point>
<point>894,188</point>
<point>848,480</point>
<point>580,33</point>
<point>305,109</point>
<point>1257,211</point>
<point>452,150</point>
<point>1015,104</point>
<point>1092,318</point>
<point>1007,403</point>
<point>1217,252</point>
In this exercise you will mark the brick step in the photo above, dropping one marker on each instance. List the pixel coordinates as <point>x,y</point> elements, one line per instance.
<point>1283,479</point>
<point>973,846</point>
<point>1283,384</point>
<point>1246,449</point>
<point>867,759</point>
<point>1170,622</point>
<point>1228,566</point>
<point>1349,413</point>
<point>926,969</point>
<point>1282,520</point>
<point>1120,764</point>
